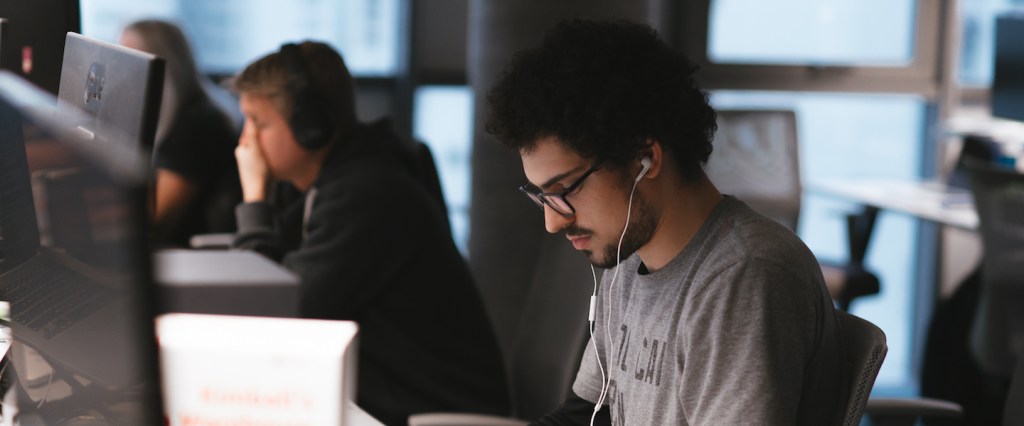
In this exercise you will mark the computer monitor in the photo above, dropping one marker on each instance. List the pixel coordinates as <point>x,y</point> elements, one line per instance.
<point>1008,70</point>
<point>118,88</point>
<point>82,314</point>
<point>3,34</point>
<point>35,33</point>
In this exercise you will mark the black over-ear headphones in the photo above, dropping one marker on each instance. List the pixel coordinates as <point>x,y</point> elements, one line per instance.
<point>310,122</point>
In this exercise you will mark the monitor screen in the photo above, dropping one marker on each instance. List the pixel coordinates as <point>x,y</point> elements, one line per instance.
<point>1008,70</point>
<point>81,300</point>
<point>118,88</point>
<point>3,34</point>
<point>35,38</point>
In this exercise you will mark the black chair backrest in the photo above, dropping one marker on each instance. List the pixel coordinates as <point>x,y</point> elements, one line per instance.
<point>756,158</point>
<point>552,330</point>
<point>865,350</point>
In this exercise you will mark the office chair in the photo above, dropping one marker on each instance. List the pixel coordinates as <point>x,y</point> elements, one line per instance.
<point>997,334</point>
<point>865,348</point>
<point>550,340</point>
<point>756,158</point>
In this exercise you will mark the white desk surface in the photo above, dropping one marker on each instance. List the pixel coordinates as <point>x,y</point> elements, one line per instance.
<point>357,417</point>
<point>928,200</point>
<point>980,122</point>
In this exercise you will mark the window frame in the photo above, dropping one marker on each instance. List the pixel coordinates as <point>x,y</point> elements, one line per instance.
<point>924,75</point>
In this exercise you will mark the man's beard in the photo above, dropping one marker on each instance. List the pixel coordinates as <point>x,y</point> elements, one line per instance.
<point>640,230</point>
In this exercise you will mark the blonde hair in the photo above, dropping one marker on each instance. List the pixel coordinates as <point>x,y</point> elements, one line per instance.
<point>327,75</point>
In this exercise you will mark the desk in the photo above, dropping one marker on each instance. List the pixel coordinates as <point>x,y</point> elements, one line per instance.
<point>932,201</point>
<point>927,200</point>
<point>358,417</point>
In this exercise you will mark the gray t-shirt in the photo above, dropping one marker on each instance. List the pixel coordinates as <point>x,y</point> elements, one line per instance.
<point>737,329</point>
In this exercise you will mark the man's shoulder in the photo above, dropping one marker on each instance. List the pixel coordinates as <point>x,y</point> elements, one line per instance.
<point>376,190</point>
<point>370,177</point>
<point>745,241</point>
<point>742,233</point>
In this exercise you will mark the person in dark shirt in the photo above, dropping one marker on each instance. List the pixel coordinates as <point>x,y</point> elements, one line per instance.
<point>367,238</point>
<point>196,178</point>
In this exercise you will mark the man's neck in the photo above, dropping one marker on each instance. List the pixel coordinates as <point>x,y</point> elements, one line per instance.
<point>308,176</point>
<point>684,209</point>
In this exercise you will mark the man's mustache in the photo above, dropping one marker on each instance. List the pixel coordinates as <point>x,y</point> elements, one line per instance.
<point>575,231</point>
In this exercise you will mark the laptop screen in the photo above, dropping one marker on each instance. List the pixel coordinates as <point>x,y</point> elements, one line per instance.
<point>75,270</point>
<point>19,237</point>
<point>1007,99</point>
<point>118,88</point>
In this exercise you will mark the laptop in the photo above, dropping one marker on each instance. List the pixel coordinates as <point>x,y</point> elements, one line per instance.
<point>82,315</point>
<point>118,88</point>
<point>3,36</point>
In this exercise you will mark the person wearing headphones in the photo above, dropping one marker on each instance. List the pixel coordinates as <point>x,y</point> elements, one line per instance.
<point>368,241</point>
<point>709,313</point>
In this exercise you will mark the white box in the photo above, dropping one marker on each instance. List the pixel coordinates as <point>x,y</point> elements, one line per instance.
<point>236,370</point>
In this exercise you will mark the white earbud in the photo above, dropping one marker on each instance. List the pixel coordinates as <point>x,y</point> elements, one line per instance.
<point>646,162</point>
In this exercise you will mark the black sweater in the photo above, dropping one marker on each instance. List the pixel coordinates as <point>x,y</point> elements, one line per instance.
<point>200,146</point>
<point>376,249</point>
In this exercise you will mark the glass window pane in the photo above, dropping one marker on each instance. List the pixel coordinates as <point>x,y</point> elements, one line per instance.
<point>801,32</point>
<point>977,33</point>
<point>228,34</point>
<point>847,136</point>
<point>443,119</point>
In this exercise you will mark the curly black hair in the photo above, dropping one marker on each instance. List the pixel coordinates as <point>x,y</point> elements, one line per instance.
<point>604,89</point>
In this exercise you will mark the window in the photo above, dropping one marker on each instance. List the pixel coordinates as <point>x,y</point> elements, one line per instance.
<point>888,46</point>
<point>830,32</point>
<point>228,34</point>
<point>443,119</point>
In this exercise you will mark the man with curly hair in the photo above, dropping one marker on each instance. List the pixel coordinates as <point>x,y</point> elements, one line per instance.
<point>709,313</point>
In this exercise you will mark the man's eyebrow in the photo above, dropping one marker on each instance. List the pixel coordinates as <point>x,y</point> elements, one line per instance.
<point>554,179</point>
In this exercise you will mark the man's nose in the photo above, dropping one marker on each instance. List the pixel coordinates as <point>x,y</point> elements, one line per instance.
<point>554,221</point>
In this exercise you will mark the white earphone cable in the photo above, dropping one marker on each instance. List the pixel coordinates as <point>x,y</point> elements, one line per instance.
<point>606,378</point>
<point>593,300</point>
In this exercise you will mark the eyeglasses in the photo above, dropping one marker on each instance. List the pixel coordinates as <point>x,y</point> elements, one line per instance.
<point>556,200</point>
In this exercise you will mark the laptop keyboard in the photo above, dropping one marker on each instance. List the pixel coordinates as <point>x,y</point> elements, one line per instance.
<point>51,297</point>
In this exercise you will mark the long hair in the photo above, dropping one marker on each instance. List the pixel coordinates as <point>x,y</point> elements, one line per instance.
<point>166,41</point>
<point>182,80</point>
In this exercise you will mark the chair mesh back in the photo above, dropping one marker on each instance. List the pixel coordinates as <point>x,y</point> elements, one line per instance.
<point>998,334</point>
<point>552,331</point>
<point>865,351</point>
<point>756,159</point>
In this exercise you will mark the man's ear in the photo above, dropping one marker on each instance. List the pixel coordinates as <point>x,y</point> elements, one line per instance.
<point>656,156</point>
